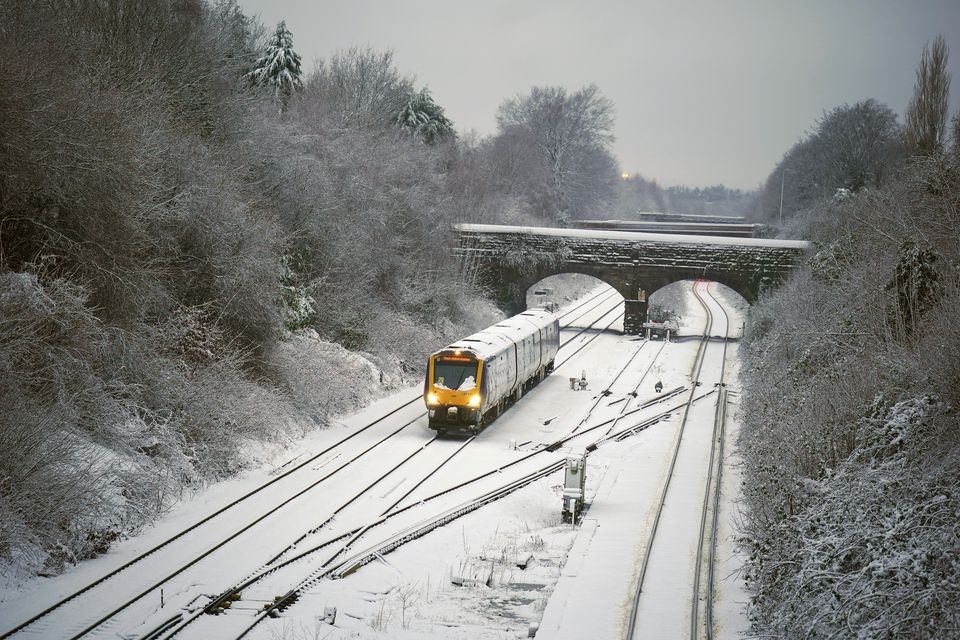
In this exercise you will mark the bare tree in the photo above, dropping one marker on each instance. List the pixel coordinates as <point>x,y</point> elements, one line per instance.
<point>361,88</point>
<point>956,135</point>
<point>927,111</point>
<point>408,595</point>
<point>572,133</point>
<point>859,144</point>
<point>853,147</point>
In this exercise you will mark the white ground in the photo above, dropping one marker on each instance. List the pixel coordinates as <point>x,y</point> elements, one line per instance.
<point>463,580</point>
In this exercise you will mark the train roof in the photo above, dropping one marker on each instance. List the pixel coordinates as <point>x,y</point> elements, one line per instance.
<point>502,335</point>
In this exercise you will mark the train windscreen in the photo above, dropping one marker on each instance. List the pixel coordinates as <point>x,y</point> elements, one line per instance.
<point>459,374</point>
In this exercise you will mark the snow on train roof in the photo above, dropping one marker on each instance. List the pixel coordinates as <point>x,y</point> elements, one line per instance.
<point>494,339</point>
<point>635,236</point>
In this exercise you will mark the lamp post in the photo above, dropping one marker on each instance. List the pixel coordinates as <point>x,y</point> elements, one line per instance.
<point>783,173</point>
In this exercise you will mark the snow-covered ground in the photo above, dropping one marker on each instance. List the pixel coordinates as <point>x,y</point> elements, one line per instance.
<point>489,574</point>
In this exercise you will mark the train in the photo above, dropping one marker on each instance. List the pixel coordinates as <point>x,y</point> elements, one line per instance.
<point>472,381</point>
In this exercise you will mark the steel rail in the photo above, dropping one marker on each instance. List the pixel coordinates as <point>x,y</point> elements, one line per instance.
<point>351,564</point>
<point>557,365</point>
<point>716,448</point>
<point>347,566</point>
<point>607,392</point>
<point>276,563</point>
<point>386,515</point>
<point>711,565</point>
<point>234,535</point>
<point>310,460</point>
<point>695,377</point>
<point>633,394</point>
<point>389,512</point>
<point>102,579</point>
<point>350,501</point>
<point>427,476</point>
<point>607,296</point>
<point>603,292</point>
<point>705,507</point>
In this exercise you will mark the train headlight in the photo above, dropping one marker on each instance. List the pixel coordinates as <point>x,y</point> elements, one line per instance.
<point>432,399</point>
<point>475,400</point>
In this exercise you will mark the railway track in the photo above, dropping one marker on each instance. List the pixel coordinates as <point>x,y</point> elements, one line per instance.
<point>706,540</point>
<point>333,565</point>
<point>278,562</point>
<point>703,590</point>
<point>603,296</point>
<point>36,622</point>
<point>618,316</point>
<point>101,581</point>
<point>225,600</point>
<point>339,564</point>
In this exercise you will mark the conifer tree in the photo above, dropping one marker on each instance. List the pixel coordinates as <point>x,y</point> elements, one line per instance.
<point>927,111</point>
<point>917,285</point>
<point>279,66</point>
<point>424,118</point>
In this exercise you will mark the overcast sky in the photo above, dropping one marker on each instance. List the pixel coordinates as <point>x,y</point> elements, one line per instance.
<point>706,92</point>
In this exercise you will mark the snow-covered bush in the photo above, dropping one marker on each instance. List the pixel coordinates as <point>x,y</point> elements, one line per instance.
<point>874,550</point>
<point>851,437</point>
<point>101,427</point>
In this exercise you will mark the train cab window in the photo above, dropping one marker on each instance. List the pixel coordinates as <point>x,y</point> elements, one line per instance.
<point>459,375</point>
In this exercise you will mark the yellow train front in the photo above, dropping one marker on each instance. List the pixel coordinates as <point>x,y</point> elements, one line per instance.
<point>472,381</point>
<point>454,391</point>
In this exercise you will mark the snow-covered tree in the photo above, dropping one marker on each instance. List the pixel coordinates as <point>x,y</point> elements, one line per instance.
<point>279,66</point>
<point>571,134</point>
<point>424,118</point>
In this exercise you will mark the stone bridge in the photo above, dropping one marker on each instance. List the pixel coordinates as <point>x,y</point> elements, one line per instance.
<point>509,260</point>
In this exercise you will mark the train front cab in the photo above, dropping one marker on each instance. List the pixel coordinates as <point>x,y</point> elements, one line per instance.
<point>454,391</point>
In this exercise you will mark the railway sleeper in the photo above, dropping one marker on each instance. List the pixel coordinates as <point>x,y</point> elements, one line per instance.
<point>222,603</point>
<point>281,603</point>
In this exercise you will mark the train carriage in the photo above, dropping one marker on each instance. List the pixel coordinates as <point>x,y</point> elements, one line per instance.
<point>473,380</point>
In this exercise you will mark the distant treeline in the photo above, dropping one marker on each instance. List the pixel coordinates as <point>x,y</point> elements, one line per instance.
<point>638,194</point>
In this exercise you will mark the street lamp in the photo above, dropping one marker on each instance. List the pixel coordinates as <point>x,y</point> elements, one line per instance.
<point>783,173</point>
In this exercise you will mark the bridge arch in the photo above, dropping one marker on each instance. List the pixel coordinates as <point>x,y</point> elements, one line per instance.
<point>512,284</point>
<point>564,287</point>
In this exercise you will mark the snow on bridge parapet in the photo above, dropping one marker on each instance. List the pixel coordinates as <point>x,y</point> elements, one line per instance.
<point>793,247</point>
<point>511,259</point>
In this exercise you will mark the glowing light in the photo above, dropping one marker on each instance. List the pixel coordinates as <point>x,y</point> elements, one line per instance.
<point>475,400</point>
<point>432,398</point>
<point>625,175</point>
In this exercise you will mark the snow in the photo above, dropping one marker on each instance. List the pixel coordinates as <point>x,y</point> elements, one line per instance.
<point>594,595</point>
<point>634,236</point>
<point>490,574</point>
<point>493,340</point>
<point>731,596</point>
<point>469,383</point>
